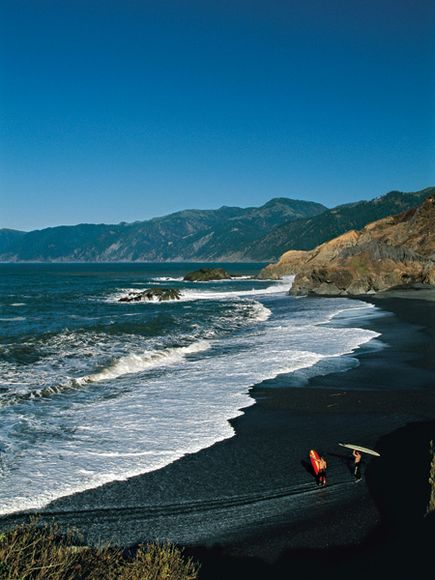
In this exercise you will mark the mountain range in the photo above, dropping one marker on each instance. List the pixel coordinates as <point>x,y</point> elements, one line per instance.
<point>225,234</point>
<point>306,234</point>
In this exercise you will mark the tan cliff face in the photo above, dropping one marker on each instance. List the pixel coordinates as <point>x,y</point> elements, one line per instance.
<point>288,264</point>
<point>394,251</point>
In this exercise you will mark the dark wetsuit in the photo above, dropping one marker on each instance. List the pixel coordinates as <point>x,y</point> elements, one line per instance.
<point>321,476</point>
<point>357,465</point>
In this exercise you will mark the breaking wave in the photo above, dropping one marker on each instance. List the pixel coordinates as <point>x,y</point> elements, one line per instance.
<point>137,363</point>
<point>190,294</point>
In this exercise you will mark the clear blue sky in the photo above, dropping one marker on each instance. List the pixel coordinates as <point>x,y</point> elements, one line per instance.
<point>125,110</point>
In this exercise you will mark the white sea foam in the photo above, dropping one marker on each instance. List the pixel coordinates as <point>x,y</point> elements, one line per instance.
<point>166,279</point>
<point>189,294</point>
<point>261,313</point>
<point>69,359</point>
<point>136,363</point>
<point>181,279</point>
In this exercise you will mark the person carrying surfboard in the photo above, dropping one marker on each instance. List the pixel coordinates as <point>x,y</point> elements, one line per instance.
<point>321,476</point>
<point>318,464</point>
<point>356,452</point>
<point>356,464</point>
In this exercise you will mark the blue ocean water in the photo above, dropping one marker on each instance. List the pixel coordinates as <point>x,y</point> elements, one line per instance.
<point>94,390</point>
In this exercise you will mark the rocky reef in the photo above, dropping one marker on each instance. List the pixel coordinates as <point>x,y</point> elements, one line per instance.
<point>394,251</point>
<point>207,274</point>
<point>154,294</point>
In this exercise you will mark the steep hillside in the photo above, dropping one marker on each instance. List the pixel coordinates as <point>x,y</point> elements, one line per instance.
<point>8,238</point>
<point>306,234</point>
<point>395,251</point>
<point>209,235</point>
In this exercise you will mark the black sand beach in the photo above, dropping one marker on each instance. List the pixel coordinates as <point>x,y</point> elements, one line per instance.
<point>249,505</point>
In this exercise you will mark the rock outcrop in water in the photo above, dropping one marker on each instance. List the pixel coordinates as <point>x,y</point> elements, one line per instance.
<point>394,251</point>
<point>207,274</point>
<point>154,294</point>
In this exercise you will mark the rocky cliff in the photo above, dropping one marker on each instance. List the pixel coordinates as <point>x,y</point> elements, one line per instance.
<point>310,232</point>
<point>394,251</point>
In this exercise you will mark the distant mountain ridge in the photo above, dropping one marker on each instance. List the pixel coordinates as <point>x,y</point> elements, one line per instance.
<point>227,234</point>
<point>188,235</point>
<point>8,238</point>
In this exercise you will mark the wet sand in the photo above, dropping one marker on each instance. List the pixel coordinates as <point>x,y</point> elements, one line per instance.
<point>249,505</point>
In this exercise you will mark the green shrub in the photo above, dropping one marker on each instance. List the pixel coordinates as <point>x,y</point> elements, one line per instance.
<point>42,553</point>
<point>431,505</point>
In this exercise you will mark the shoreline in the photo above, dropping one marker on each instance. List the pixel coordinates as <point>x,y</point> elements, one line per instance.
<point>249,500</point>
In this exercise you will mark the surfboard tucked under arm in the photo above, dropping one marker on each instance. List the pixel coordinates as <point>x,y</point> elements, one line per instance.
<point>315,461</point>
<point>360,448</point>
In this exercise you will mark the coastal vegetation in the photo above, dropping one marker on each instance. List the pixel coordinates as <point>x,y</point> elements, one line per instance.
<point>42,553</point>
<point>431,504</point>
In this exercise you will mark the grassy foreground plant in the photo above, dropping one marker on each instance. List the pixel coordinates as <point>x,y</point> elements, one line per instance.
<point>431,505</point>
<point>30,551</point>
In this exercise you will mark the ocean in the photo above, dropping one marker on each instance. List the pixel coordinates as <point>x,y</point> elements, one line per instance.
<point>94,390</point>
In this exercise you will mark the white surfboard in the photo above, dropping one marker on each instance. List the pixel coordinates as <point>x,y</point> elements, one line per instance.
<point>360,448</point>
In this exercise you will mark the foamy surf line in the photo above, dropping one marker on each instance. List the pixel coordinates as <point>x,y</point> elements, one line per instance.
<point>109,363</point>
<point>131,364</point>
<point>136,363</point>
<point>24,504</point>
<point>358,309</point>
<point>181,279</point>
<point>165,279</point>
<point>189,294</point>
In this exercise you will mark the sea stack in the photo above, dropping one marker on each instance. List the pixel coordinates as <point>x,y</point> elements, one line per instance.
<point>207,274</point>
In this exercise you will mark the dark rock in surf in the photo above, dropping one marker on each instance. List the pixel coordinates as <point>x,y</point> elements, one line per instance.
<point>155,294</point>
<point>207,274</point>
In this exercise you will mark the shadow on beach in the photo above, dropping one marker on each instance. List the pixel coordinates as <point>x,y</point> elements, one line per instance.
<point>402,543</point>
